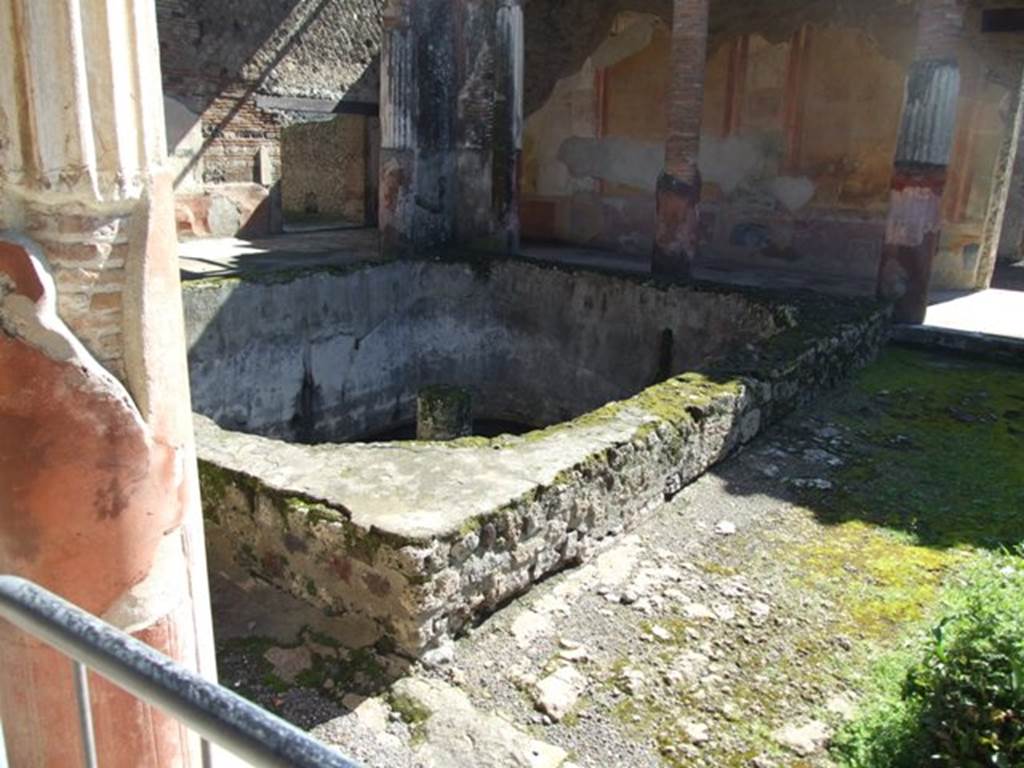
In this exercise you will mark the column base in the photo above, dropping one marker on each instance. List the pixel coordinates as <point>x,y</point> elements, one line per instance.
<point>911,239</point>
<point>903,279</point>
<point>444,413</point>
<point>678,228</point>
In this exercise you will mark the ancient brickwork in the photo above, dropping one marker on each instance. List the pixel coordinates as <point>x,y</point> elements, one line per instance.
<point>247,69</point>
<point>324,171</point>
<point>88,253</point>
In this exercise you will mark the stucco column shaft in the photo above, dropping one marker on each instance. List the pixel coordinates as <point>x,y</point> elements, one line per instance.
<point>398,101</point>
<point>99,494</point>
<point>923,154</point>
<point>1011,241</point>
<point>475,127</point>
<point>508,111</point>
<point>1002,196</point>
<point>451,124</point>
<point>678,191</point>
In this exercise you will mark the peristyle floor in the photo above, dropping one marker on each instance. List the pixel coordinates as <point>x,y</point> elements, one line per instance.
<point>224,257</point>
<point>996,312</point>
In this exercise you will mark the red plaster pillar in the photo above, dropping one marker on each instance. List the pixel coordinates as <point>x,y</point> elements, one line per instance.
<point>922,161</point>
<point>678,191</point>
<point>98,486</point>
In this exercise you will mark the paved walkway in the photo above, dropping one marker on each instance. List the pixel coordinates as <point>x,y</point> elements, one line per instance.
<point>226,257</point>
<point>993,312</point>
<point>708,270</point>
<point>229,256</point>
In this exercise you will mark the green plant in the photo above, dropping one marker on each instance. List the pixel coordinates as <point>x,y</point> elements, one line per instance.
<point>956,699</point>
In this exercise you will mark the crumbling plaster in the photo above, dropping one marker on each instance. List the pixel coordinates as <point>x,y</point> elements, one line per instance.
<point>793,179</point>
<point>99,496</point>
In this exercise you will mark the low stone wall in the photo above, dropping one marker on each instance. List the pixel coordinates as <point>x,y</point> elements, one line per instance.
<point>411,542</point>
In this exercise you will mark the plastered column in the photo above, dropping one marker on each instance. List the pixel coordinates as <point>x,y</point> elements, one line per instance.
<point>451,123</point>
<point>98,487</point>
<point>508,139</point>
<point>679,185</point>
<point>923,153</point>
<point>1003,195</point>
<point>398,97</point>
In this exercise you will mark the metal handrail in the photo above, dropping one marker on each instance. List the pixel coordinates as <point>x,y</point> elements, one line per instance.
<point>215,713</point>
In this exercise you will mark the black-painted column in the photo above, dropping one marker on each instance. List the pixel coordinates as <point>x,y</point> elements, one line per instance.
<point>451,124</point>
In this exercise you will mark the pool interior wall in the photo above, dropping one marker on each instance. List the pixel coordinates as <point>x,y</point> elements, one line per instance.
<point>412,542</point>
<point>337,356</point>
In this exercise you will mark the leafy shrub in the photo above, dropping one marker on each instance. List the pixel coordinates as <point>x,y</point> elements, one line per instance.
<point>957,699</point>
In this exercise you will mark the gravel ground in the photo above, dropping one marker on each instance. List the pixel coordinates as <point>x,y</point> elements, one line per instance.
<point>732,628</point>
<point>694,634</point>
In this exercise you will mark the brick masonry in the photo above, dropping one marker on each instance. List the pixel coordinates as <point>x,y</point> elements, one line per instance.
<point>219,56</point>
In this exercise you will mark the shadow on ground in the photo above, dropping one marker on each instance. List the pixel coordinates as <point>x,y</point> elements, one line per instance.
<point>923,444</point>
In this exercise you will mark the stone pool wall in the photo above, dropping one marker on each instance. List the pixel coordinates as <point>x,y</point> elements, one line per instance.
<point>338,355</point>
<point>411,542</point>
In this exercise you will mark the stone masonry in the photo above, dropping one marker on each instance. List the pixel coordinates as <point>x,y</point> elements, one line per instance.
<point>412,542</point>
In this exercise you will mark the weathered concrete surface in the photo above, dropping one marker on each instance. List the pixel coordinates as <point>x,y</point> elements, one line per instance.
<point>342,354</point>
<point>379,532</point>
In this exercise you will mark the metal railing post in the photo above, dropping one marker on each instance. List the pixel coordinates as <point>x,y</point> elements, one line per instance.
<point>81,677</point>
<point>215,713</point>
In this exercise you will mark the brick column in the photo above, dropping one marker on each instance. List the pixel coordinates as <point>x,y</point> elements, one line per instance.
<point>922,160</point>
<point>98,487</point>
<point>678,193</point>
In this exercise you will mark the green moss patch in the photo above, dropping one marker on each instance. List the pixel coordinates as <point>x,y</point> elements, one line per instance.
<point>944,451</point>
<point>881,581</point>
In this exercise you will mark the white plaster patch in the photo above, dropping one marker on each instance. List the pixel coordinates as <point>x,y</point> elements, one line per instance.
<point>730,162</point>
<point>617,160</point>
<point>793,192</point>
<point>914,213</point>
